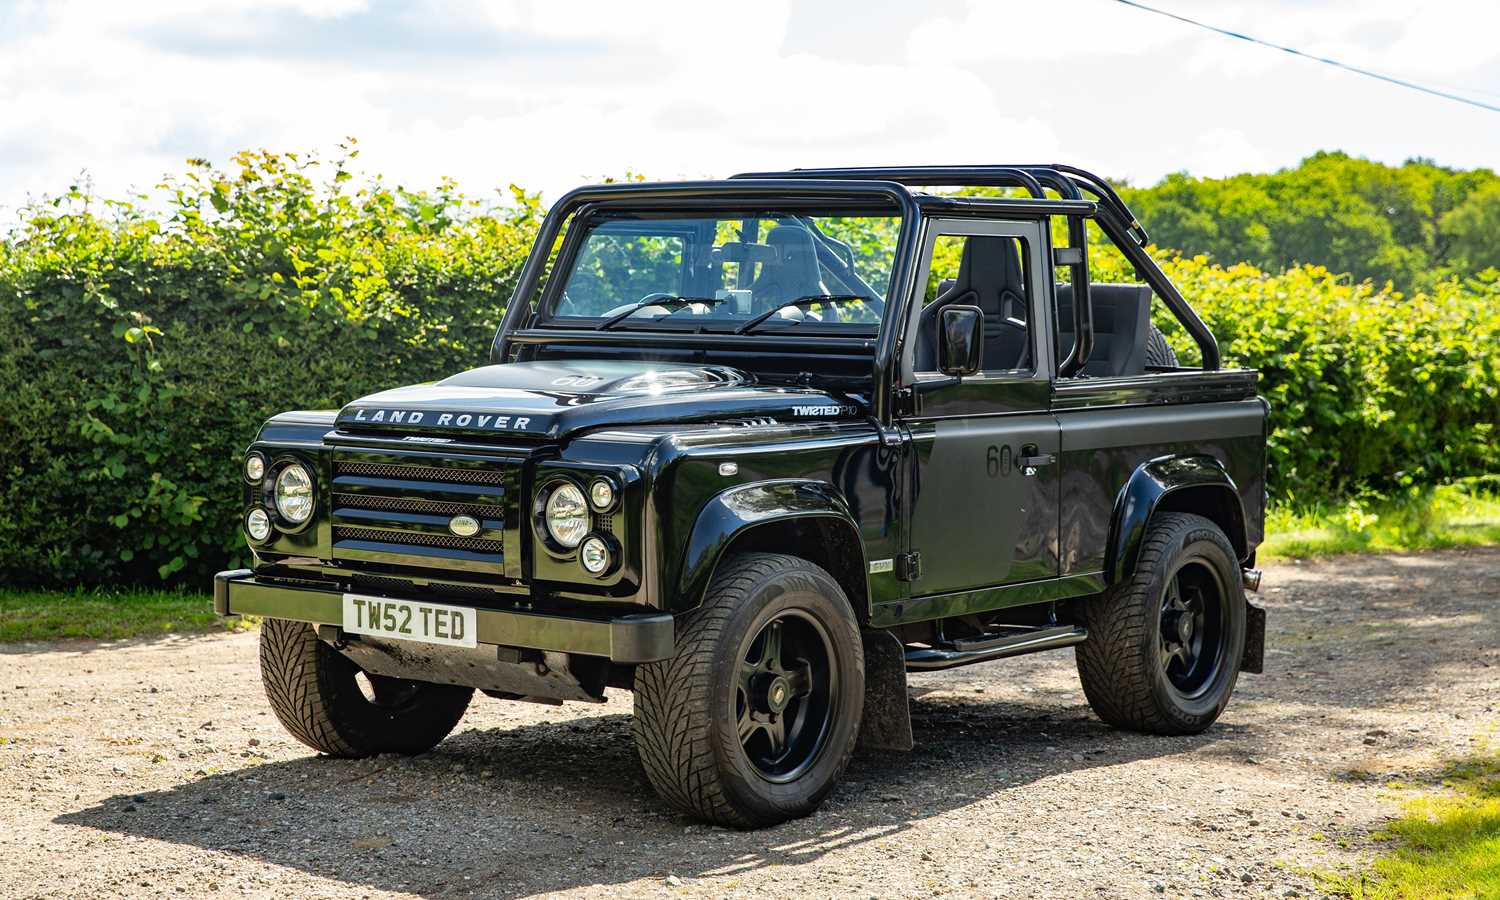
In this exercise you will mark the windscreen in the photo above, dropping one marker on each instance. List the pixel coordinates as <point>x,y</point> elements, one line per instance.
<point>730,272</point>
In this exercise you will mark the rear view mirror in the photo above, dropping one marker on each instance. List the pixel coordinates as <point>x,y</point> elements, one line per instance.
<point>960,340</point>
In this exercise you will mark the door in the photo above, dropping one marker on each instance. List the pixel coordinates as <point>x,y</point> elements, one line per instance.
<point>984,497</point>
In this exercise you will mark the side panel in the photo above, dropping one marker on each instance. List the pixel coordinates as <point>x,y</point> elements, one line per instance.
<point>738,509</point>
<point>1102,448</point>
<point>978,519</point>
<point>1200,481</point>
<point>854,475</point>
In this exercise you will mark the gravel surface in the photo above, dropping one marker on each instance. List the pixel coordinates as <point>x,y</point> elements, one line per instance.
<point>154,768</point>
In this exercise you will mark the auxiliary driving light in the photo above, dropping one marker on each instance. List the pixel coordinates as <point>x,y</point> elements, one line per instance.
<point>255,468</point>
<point>594,556</point>
<point>602,494</point>
<point>258,525</point>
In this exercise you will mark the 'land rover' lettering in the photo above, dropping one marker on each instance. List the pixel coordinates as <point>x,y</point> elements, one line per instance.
<point>487,421</point>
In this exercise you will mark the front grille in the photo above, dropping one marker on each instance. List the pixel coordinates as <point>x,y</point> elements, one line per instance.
<point>434,507</point>
<point>419,539</point>
<point>397,509</point>
<point>419,473</point>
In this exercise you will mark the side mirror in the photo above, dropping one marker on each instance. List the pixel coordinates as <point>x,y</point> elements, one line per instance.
<point>960,340</point>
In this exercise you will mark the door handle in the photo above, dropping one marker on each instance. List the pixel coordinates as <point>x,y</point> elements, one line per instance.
<point>1031,459</point>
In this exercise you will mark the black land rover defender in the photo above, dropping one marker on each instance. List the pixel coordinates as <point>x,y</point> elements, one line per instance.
<point>755,449</point>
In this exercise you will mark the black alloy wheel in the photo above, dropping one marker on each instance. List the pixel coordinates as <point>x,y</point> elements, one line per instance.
<point>1194,609</point>
<point>753,718</point>
<point>1164,645</point>
<point>785,700</point>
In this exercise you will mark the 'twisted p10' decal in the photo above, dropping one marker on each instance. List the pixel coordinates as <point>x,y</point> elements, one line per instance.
<point>828,409</point>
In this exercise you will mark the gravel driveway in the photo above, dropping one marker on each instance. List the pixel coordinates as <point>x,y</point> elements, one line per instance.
<point>154,768</point>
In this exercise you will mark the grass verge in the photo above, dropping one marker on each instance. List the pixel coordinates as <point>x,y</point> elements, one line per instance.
<point>1466,514</point>
<point>1446,844</point>
<point>51,615</point>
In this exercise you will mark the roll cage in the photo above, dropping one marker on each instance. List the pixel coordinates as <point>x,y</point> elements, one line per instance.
<point>854,186</point>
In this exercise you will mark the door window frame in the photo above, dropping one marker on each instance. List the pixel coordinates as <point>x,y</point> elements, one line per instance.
<point>1036,243</point>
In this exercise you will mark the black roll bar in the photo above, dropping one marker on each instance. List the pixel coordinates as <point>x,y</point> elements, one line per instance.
<point>1070,182</point>
<point>965,176</point>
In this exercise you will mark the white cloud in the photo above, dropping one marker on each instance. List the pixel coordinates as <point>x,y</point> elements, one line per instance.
<point>1063,29</point>
<point>550,94</point>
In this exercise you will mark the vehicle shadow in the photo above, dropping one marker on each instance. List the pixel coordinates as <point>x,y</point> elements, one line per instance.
<point>514,812</point>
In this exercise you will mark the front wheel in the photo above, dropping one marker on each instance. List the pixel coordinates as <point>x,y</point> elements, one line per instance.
<point>1164,647</point>
<point>753,720</point>
<point>332,706</point>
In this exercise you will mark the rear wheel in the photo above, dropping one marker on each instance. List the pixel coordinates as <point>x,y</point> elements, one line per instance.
<point>1158,351</point>
<point>1164,647</point>
<point>332,706</point>
<point>753,720</point>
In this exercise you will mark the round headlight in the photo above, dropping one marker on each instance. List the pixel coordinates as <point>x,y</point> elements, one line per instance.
<point>258,525</point>
<point>567,515</point>
<point>255,467</point>
<point>602,494</point>
<point>594,555</point>
<point>294,494</point>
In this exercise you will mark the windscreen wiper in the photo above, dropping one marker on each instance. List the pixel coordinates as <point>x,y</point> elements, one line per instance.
<point>799,303</point>
<point>669,301</point>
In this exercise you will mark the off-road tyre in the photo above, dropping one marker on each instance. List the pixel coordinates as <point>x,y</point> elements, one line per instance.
<point>1158,351</point>
<point>1121,663</point>
<point>314,692</point>
<point>685,727</point>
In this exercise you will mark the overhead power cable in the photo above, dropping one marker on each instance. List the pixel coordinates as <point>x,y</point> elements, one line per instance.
<point>1322,59</point>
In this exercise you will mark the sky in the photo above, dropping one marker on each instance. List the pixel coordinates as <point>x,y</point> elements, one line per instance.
<point>550,95</point>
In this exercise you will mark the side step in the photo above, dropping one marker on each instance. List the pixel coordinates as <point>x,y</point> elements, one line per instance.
<point>1010,643</point>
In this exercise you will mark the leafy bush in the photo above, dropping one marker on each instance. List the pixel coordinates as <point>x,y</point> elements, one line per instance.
<point>145,349</point>
<point>1369,390</point>
<point>148,340</point>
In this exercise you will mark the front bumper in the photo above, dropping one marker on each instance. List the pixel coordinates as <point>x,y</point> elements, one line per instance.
<point>624,639</point>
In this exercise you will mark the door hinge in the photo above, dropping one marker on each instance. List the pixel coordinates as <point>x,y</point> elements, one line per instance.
<point>905,402</point>
<point>909,566</point>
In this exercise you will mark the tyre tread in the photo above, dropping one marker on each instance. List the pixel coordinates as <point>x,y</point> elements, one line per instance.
<point>296,670</point>
<point>1117,676</point>
<point>674,699</point>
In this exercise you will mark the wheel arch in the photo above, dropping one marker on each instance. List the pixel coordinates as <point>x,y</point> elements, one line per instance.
<point>1191,484</point>
<point>798,517</point>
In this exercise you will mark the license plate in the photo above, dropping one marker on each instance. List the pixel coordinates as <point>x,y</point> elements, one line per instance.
<point>410,620</point>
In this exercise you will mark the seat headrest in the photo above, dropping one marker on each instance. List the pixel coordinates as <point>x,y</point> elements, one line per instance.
<point>990,266</point>
<point>794,248</point>
<point>794,273</point>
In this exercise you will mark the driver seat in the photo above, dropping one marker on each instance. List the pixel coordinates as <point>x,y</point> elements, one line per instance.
<point>793,274</point>
<point>990,277</point>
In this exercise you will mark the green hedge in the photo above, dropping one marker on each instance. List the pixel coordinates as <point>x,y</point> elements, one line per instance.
<point>145,348</point>
<point>148,340</point>
<point>1370,391</point>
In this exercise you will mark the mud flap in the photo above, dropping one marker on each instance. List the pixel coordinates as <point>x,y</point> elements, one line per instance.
<point>1254,660</point>
<point>887,717</point>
